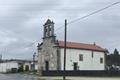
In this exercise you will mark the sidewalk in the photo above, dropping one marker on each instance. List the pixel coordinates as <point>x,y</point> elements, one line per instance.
<point>80,78</point>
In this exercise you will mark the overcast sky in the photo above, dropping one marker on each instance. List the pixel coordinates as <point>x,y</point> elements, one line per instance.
<point>21,24</point>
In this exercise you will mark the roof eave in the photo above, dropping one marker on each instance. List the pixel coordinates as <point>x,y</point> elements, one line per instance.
<point>85,49</point>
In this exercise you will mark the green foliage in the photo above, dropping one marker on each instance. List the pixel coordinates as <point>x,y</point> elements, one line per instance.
<point>113,59</point>
<point>116,57</point>
<point>21,68</point>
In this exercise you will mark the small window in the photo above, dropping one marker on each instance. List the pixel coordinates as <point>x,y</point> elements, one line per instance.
<point>80,57</point>
<point>101,60</point>
<point>92,55</point>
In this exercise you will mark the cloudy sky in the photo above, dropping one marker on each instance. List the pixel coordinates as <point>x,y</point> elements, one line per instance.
<point>21,24</point>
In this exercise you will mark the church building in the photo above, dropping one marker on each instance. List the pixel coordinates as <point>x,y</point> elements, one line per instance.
<point>79,56</point>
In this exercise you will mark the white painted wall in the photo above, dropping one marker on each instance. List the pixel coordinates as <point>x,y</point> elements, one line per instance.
<point>88,63</point>
<point>36,66</point>
<point>7,66</point>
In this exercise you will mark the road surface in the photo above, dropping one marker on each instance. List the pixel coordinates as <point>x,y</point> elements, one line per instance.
<point>33,77</point>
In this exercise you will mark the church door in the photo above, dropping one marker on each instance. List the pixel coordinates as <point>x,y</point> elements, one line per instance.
<point>75,65</point>
<point>46,65</point>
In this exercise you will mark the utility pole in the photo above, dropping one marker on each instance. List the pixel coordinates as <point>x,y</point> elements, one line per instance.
<point>65,40</point>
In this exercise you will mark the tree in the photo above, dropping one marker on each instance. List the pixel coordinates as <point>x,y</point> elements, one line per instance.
<point>21,68</point>
<point>116,57</point>
<point>113,59</point>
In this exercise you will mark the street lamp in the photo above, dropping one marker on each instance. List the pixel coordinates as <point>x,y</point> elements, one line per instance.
<point>33,68</point>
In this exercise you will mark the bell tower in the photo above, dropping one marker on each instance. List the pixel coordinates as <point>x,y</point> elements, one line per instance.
<point>48,29</point>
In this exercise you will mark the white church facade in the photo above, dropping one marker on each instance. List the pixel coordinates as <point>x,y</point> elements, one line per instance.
<point>79,56</point>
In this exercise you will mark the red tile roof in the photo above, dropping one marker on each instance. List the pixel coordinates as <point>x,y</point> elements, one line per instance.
<point>82,46</point>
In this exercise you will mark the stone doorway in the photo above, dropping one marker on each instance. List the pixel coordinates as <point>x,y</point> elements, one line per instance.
<point>46,65</point>
<point>75,66</point>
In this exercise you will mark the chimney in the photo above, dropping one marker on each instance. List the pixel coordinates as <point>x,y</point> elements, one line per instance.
<point>94,44</point>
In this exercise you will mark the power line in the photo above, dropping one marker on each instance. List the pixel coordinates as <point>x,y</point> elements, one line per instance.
<point>94,12</point>
<point>85,17</point>
<point>89,14</point>
<point>59,28</point>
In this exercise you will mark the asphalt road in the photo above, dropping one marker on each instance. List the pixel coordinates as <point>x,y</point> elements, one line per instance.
<point>17,77</point>
<point>32,77</point>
